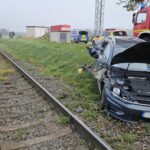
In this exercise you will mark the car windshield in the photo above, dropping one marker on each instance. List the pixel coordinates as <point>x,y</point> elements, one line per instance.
<point>83,33</point>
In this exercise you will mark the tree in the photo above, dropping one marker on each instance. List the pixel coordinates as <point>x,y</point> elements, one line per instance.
<point>131,5</point>
<point>4,31</point>
<point>11,35</point>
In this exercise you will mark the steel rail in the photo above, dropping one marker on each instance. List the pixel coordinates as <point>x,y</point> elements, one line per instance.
<point>83,130</point>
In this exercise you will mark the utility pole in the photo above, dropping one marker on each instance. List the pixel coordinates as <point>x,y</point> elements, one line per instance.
<point>99,16</point>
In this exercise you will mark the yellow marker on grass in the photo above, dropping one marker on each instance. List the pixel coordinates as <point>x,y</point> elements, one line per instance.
<point>80,71</point>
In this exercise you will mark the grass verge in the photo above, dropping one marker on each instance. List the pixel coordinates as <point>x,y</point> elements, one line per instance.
<point>60,60</point>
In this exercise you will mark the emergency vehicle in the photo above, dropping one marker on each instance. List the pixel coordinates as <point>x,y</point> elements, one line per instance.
<point>78,35</point>
<point>141,21</point>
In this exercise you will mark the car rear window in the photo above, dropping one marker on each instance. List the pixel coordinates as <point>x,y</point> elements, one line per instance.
<point>83,32</point>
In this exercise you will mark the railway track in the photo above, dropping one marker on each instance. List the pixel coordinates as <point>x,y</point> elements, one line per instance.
<point>29,116</point>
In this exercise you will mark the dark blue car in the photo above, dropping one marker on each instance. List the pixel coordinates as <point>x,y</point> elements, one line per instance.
<point>122,70</point>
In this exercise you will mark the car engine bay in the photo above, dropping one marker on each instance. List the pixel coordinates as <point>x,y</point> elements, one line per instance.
<point>131,88</point>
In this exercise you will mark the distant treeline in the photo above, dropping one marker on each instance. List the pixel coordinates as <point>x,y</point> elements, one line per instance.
<point>5,32</point>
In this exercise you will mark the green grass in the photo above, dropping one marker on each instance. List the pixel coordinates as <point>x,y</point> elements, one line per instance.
<point>125,141</point>
<point>148,129</point>
<point>6,72</point>
<point>62,120</point>
<point>4,79</point>
<point>62,61</point>
<point>20,133</point>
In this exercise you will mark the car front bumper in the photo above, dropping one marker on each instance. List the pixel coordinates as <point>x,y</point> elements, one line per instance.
<point>124,110</point>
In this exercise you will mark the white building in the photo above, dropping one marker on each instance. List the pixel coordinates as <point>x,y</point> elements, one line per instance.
<point>60,33</point>
<point>36,31</point>
<point>60,37</point>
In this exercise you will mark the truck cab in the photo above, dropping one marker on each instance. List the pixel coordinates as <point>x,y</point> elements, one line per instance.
<point>141,21</point>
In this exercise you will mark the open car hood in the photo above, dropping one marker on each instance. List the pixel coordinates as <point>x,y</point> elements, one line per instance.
<point>139,53</point>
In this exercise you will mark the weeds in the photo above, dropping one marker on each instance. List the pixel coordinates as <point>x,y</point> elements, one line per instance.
<point>148,129</point>
<point>62,120</point>
<point>129,137</point>
<point>4,78</point>
<point>6,72</point>
<point>20,133</point>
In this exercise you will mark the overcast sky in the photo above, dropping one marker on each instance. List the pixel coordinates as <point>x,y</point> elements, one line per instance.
<point>16,14</point>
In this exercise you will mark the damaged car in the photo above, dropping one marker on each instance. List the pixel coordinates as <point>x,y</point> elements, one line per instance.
<point>122,71</point>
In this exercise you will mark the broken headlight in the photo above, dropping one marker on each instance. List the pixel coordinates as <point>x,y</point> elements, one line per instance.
<point>118,87</point>
<point>116,91</point>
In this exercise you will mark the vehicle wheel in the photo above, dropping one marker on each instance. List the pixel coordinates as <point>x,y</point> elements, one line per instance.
<point>102,95</point>
<point>146,38</point>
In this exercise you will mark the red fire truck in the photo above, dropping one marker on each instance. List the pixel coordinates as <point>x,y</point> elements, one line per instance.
<point>141,21</point>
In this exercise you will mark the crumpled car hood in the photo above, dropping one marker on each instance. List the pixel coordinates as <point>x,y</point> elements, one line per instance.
<point>139,53</point>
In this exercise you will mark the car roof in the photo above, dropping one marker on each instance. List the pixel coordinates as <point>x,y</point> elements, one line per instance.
<point>121,40</point>
<point>113,30</point>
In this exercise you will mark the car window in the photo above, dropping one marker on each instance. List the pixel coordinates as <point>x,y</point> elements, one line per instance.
<point>107,52</point>
<point>120,33</point>
<point>141,17</point>
<point>104,44</point>
<point>83,32</point>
